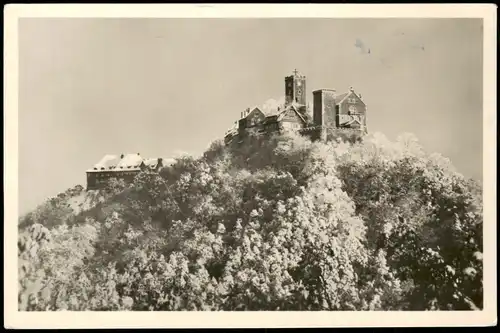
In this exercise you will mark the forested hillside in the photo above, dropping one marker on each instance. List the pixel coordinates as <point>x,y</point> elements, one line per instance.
<point>275,224</point>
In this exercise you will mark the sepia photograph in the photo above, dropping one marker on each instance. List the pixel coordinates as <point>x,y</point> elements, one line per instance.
<point>260,164</point>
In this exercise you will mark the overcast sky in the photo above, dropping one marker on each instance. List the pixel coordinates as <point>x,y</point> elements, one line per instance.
<point>90,87</point>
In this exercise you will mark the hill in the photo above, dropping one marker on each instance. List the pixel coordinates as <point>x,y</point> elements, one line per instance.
<point>274,224</point>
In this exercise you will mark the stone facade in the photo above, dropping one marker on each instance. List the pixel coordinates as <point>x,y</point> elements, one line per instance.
<point>331,113</point>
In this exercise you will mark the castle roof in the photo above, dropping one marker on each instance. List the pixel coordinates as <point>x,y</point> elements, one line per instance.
<point>248,111</point>
<point>295,107</point>
<point>107,162</point>
<point>278,115</point>
<point>340,98</point>
<point>280,109</point>
<point>129,162</point>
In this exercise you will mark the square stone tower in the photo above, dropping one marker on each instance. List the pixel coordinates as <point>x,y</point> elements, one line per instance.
<point>324,112</point>
<point>295,88</point>
<point>324,109</point>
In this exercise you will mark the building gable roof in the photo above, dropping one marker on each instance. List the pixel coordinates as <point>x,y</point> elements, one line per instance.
<point>256,113</point>
<point>293,108</point>
<point>342,97</point>
<point>252,110</point>
<point>256,109</point>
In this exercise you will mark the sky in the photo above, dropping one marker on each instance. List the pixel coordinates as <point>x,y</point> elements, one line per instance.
<point>164,87</point>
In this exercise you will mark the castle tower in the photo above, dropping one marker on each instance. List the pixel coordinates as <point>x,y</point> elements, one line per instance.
<point>324,110</point>
<point>295,88</point>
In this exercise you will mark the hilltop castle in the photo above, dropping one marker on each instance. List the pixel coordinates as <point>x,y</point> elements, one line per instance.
<point>331,113</point>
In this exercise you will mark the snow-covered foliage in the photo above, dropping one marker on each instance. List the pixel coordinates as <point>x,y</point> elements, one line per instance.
<point>275,224</point>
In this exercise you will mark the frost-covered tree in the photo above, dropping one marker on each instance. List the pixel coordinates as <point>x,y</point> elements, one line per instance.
<point>274,223</point>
